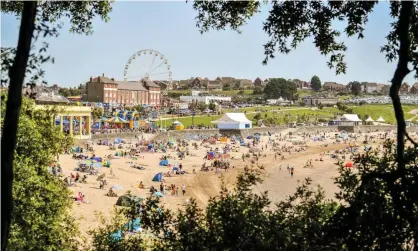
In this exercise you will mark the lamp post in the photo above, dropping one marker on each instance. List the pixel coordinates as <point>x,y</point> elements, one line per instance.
<point>193,113</point>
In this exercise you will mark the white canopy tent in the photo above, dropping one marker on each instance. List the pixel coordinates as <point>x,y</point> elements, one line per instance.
<point>369,119</point>
<point>350,117</point>
<point>380,119</point>
<point>349,120</point>
<point>233,121</point>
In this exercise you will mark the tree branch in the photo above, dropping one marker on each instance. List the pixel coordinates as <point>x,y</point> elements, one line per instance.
<point>410,139</point>
<point>11,119</point>
<point>400,73</point>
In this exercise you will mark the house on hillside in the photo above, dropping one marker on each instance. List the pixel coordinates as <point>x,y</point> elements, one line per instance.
<point>226,81</point>
<point>214,85</point>
<point>259,82</point>
<point>333,86</point>
<point>300,84</point>
<point>370,87</point>
<point>198,83</point>
<point>183,84</point>
<point>414,89</point>
<point>244,83</point>
<point>404,88</point>
<point>380,88</point>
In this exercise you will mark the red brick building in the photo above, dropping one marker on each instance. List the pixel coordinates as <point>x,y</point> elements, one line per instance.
<point>131,93</point>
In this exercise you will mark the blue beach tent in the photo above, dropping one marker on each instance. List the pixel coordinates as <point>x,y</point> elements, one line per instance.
<point>158,177</point>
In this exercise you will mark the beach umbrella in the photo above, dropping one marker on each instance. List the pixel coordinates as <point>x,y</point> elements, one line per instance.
<point>101,176</point>
<point>117,120</point>
<point>158,194</point>
<point>117,187</point>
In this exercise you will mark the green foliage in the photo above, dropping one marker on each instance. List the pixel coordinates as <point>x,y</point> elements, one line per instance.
<point>257,90</point>
<point>355,87</point>
<point>41,218</point>
<point>376,209</point>
<point>212,105</point>
<point>380,206</point>
<point>226,87</point>
<point>280,87</point>
<point>257,116</point>
<point>320,106</point>
<point>50,15</point>
<point>316,83</point>
<point>289,24</point>
<point>66,92</point>
<point>344,108</point>
<point>97,112</point>
<point>202,106</point>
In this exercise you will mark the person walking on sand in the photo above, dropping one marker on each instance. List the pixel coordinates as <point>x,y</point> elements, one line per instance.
<point>291,172</point>
<point>177,190</point>
<point>183,189</point>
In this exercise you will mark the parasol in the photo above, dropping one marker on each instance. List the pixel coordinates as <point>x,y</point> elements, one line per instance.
<point>101,176</point>
<point>117,187</point>
<point>117,120</point>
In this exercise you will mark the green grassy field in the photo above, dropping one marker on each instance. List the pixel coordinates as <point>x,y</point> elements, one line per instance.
<point>386,111</point>
<point>304,93</point>
<point>308,115</point>
<point>226,93</point>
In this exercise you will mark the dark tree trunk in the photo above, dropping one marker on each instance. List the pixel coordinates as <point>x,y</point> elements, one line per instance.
<point>11,119</point>
<point>400,73</point>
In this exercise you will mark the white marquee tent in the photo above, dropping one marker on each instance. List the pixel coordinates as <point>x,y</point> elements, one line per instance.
<point>233,121</point>
<point>380,119</point>
<point>369,119</point>
<point>349,120</point>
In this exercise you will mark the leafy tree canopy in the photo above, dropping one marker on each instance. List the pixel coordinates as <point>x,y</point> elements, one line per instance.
<point>297,21</point>
<point>316,83</point>
<point>50,15</point>
<point>257,90</point>
<point>355,87</point>
<point>280,87</point>
<point>370,214</point>
<point>41,216</point>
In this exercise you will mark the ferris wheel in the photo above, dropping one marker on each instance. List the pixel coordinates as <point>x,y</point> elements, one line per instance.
<point>148,65</point>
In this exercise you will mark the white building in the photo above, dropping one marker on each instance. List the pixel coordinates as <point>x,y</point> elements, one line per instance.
<point>349,120</point>
<point>233,121</point>
<point>205,99</point>
<point>279,101</point>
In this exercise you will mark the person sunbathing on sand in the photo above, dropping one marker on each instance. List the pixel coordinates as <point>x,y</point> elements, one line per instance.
<point>111,193</point>
<point>141,185</point>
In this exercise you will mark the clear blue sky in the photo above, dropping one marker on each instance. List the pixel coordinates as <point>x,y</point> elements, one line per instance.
<point>170,28</point>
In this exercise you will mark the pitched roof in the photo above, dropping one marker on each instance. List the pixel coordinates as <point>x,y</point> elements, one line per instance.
<point>150,83</point>
<point>232,118</point>
<point>350,117</point>
<point>245,82</point>
<point>131,85</point>
<point>102,79</point>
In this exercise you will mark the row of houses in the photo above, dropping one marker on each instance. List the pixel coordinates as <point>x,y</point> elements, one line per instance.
<point>217,84</point>
<point>222,82</point>
<point>367,87</point>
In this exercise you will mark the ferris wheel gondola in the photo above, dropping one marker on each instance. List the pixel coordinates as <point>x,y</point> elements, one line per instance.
<point>146,65</point>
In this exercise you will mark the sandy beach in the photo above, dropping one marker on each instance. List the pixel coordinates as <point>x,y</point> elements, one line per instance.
<point>204,184</point>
